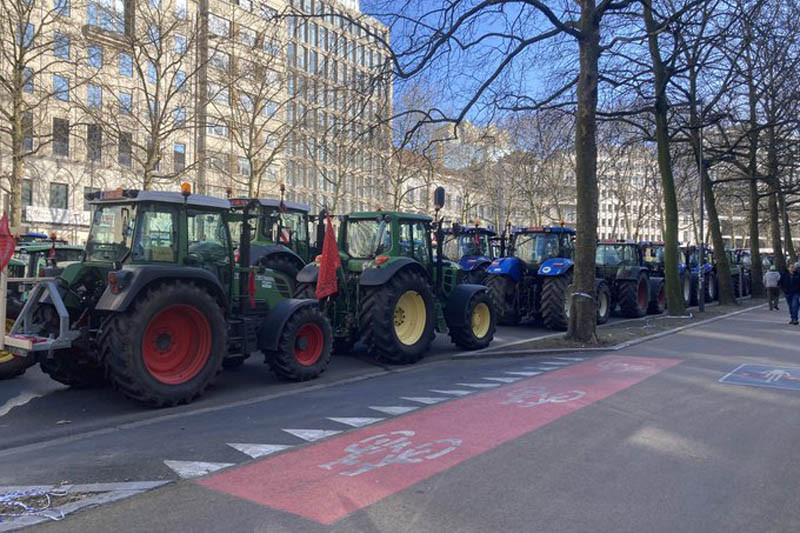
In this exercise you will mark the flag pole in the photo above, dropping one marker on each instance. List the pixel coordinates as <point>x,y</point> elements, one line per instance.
<point>3,291</point>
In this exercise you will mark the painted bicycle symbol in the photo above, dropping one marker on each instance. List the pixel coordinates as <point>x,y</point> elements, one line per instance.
<point>620,366</point>
<point>386,449</point>
<point>533,396</point>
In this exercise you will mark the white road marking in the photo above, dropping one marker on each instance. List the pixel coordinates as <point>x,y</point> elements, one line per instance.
<point>572,358</point>
<point>17,401</point>
<point>191,469</point>
<point>526,374</point>
<point>427,400</point>
<point>454,392</point>
<point>393,409</point>
<point>356,422</point>
<point>542,368</point>
<point>479,385</point>
<point>559,363</point>
<point>258,450</point>
<point>311,435</point>
<point>503,380</point>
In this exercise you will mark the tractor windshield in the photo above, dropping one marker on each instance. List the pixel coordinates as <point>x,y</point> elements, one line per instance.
<point>367,238</point>
<point>460,245</point>
<point>536,247</point>
<point>654,255</point>
<point>613,255</point>
<point>285,228</point>
<point>110,234</point>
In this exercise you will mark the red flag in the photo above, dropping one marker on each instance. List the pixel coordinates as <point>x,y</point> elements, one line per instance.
<point>251,288</point>
<point>7,242</point>
<point>327,283</point>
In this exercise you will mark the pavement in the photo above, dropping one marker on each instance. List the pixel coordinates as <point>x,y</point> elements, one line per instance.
<point>647,438</point>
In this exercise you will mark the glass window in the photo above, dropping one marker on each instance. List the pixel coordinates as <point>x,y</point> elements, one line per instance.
<point>208,238</point>
<point>61,45</point>
<point>27,80</point>
<point>179,116</point>
<point>61,137</point>
<point>27,131</point>
<point>244,166</point>
<point>217,128</point>
<point>27,192</point>
<point>124,149</point>
<point>155,235</point>
<point>536,247</point>
<point>61,87</point>
<point>219,59</point>
<point>218,25</point>
<point>94,95</point>
<point>25,35</point>
<point>125,65</point>
<point>180,44</point>
<point>367,238</point>
<point>218,94</point>
<point>62,7</point>
<point>94,142</point>
<point>245,4</point>
<point>59,195</point>
<point>180,9</point>
<point>94,56</point>
<point>152,72</point>
<point>414,237</point>
<point>180,80</point>
<point>125,103</point>
<point>179,157</point>
<point>247,36</point>
<point>112,226</point>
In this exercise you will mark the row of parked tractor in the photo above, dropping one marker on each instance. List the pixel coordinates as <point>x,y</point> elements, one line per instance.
<point>172,287</point>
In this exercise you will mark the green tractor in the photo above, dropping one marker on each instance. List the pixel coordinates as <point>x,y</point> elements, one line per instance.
<point>394,292</point>
<point>36,256</point>
<point>158,305</point>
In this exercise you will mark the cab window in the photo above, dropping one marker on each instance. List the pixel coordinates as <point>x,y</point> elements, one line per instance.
<point>208,237</point>
<point>155,235</point>
<point>414,240</point>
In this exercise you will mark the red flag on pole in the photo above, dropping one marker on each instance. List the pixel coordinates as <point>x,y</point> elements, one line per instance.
<point>327,283</point>
<point>7,242</point>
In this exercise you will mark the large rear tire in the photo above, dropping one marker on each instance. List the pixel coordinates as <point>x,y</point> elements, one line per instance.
<point>397,318</point>
<point>555,302</point>
<point>603,295</point>
<point>479,323</point>
<point>502,291</point>
<point>71,367</point>
<point>304,346</point>
<point>168,348</point>
<point>634,296</point>
<point>659,301</point>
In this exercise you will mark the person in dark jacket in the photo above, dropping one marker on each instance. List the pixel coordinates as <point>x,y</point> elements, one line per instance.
<point>790,283</point>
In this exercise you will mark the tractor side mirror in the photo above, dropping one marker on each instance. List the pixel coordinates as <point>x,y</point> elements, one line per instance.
<point>438,197</point>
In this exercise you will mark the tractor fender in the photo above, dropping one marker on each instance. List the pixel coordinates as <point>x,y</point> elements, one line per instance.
<point>473,262</point>
<point>629,273</point>
<point>375,276</point>
<point>308,274</point>
<point>259,252</point>
<point>270,331</point>
<point>556,266</point>
<point>143,276</point>
<point>455,309</point>
<point>511,267</point>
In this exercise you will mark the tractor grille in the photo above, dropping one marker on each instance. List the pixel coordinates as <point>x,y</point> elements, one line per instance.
<point>283,287</point>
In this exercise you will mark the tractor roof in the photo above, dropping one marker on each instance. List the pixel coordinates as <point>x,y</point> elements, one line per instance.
<point>398,214</point>
<point>455,229</point>
<point>43,246</point>
<point>543,229</point>
<point>167,197</point>
<point>617,242</point>
<point>289,206</point>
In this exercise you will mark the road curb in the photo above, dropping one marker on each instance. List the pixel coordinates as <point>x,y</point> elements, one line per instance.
<point>489,354</point>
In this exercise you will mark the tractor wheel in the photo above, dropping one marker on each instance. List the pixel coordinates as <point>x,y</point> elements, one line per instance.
<point>398,317</point>
<point>634,296</point>
<point>659,302</point>
<point>737,290</point>
<point>168,348</point>
<point>711,289</point>
<point>341,345</point>
<point>12,366</point>
<point>556,302</point>
<point>502,291</point>
<point>304,347</point>
<point>603,295</point>
<point>283,264</point>
<point>747,285</point>
<point>478,330</point>
<point>72,368</point>
<point>693,300</point>
<point>686,288</point>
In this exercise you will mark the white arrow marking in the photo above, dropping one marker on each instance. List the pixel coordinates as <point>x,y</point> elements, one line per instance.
<point>503,380</point>
<point>424,399</point>
<point>526,374</point>
<point>393,409</point>
<point>454,392</point>
<point>190,469</point>
<point>258,450</point>
<point>311,435</point>
<point>356,422</point>
<point>479,385</point>
<point>17,401</point>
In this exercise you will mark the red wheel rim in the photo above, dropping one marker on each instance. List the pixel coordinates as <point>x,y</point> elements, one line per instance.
<point>642,295</point>
<point>308,344</point>
<point>176,344</point>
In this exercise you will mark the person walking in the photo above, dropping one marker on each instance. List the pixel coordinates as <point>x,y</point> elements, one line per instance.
<point>772,281</point>
<point>790,283</point>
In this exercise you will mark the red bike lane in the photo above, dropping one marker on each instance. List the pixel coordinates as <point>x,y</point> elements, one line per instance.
<point>328,480</point>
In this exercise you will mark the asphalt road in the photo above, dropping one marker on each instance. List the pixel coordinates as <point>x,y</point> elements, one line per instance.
<point>644,439</point>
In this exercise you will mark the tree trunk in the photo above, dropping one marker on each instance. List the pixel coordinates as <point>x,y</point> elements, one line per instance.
<point>583,316</point>
<point>724,279</point>
<point>772,203</point>
<point>674,291</point>
<point>757,286</point>
<point>787,230</point>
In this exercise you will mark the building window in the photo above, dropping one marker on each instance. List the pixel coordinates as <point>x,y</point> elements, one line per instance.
<point>27,80</point>
<point>180,9</point>
<point>108,15</point>
<point>95,56</point>
<point>62,7</point>
<point>125,103</point>
<point>219,59</point>
<point>94,142</point>
<point>94,95</point>
<point>125,65</point>
<point>61,137</point>
<point>218,25</point>
<point>179,116</point>
<point>124,149</point>
<point>27,192</point>
<point>180,80</point>
<point>180,44</point>
<point>25,35</point>
<point>217,128</point>
<point>61,45</point>
<point>244,166</point>
<point>218,162</point>
<point>218,94</point>
<point>178,157</point>
<point>152,72</point>
<point>247,36</point>
<point>86,192</point>
<point>59,196</point>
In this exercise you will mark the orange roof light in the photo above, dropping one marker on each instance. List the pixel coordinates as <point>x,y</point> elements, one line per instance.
<point>381,259</point>
<point>186,188</point>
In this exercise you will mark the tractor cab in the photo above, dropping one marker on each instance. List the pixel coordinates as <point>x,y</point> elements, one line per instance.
<point>630,270</point>
<point>470,248</point>
<point>372,239</point>
<point>653,256</point>
<point>538,245</point>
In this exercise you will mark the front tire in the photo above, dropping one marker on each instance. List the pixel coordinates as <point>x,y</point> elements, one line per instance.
<point>555,302</point>
<point>603,295</point>
<point>168,348</point>
<point>634,296</point>
<point>502,291</point>
<point>397,318</point>
<point>659,302</point>
<point>711,288</point>
<point>479,324</point>
<point>304,347</point>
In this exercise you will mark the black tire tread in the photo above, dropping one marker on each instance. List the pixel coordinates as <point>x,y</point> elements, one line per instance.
<point>283,363</point>
<point>500,289</point>
<point>654,307</point>
<point>552,306</point>
<point>463,337</point>
<point>627,296</point>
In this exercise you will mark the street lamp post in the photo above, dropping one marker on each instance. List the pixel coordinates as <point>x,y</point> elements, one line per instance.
<point>701,259</point>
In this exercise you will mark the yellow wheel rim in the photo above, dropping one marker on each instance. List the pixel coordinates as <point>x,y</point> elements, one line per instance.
<point>410,317</point>
<point>7,357</point>
<point>481,320</point>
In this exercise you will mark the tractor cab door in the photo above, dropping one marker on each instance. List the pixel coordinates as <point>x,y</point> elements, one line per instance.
<point>415,241</point>
<point>208,243</point>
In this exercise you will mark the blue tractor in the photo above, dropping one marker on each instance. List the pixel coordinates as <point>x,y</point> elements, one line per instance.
<point>532,282</point>
<point>707,270</point>
<point>471,248</point>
